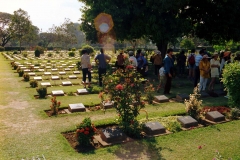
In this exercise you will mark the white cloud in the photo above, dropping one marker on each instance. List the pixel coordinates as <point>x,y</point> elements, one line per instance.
<point>45,13</point>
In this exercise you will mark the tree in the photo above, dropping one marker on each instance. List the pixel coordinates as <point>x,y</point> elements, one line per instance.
<point>20,25</point>
<point>65,33</point>
<point>187,43</point>
<point>154,20</point>
<point>5,34</point>
<point>46,38</point>
<point>32,37</point>
<point>163,21</point>
<point>214,20</point>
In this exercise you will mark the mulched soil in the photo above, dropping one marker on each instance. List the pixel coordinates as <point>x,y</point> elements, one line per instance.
<point>60,111</point>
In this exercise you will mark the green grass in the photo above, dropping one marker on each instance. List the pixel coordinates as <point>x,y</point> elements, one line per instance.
<point>26,131</point>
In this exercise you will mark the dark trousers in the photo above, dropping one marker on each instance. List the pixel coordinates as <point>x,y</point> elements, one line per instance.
<point>85,72</point>
<point>196,75</point>
<point>101,72</point>
<point>157,67</point>
<point>181,69</point>
<point>168,84</point>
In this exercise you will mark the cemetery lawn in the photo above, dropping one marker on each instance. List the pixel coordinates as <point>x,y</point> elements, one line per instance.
<point>26,131</point>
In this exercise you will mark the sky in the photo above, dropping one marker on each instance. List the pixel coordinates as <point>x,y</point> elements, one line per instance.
<point>45,13</point>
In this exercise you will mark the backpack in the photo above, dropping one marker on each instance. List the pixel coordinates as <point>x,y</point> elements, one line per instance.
<point>191,59</point>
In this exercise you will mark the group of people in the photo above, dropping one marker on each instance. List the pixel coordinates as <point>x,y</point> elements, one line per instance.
<point>202,67</point>
<point>139,62</point>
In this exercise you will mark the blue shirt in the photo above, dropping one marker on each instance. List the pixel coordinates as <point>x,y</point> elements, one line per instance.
<point>142,62</point>
<point>168,64</point>
<point>198,58</point>
<point>102,60</point>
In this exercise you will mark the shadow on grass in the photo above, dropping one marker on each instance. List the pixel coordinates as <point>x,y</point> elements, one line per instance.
<point>144,149</point>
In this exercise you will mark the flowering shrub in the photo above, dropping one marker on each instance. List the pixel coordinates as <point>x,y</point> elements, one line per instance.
<point>223,110</point>
<point>124,88</point>
<point>85,132</point>
<point>194,105</point>
<point>149,90</point>
<point>26,77</point>
<point>55,105</point>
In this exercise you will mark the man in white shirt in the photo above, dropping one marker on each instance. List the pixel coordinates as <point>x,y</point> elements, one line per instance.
<point>132,59</point>
<point>198,58</point>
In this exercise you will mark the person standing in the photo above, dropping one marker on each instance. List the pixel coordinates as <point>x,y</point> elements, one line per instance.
<point>132,59</point>
<point>168,66</point>
<point>204,67</point>
<point>142,67</point>
<point>120,60</point>
<point>157,61</point>
<point>86,68</point>
<point>102,60</point>
<point>191,64</point>
<point>198,58</point>
<point>181,63</point>
<point>215,64</point>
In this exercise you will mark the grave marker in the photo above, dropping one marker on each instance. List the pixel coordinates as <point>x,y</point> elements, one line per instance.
<point>182,97</point>
<point>161,98</point>
<point>62,73</point>
<point>215,116</point>
<point>37,78</point>
<point>79,107</point>
<point>107,105</point>
<point>76,72</point>
<point>55,77</point>
<point>187,121</point>
<point>154,128</point>
<point>110,135</point>
<point>82,91</point>
<point>72,77</point>
<point>47,84</point>
<point>31,74</point>
<point>67,83</point>
<point>58,93</point>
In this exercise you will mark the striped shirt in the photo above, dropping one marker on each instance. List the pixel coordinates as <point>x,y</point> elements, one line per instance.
<point>198,58</point>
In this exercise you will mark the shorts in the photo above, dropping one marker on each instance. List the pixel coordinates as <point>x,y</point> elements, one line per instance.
<point>191,66</point>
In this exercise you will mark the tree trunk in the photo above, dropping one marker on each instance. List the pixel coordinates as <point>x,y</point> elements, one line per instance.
<point>20,42</point>
<point>162,46</point>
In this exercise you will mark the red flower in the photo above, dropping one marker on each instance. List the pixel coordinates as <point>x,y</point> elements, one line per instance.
<point>100,95</point>
<point>132,85</point>
<point>87,129</point>
<point>119,87</point>
<point>199,147</point>
<point>129,67</point>
<point>86,132</point>
<point>59,103</point>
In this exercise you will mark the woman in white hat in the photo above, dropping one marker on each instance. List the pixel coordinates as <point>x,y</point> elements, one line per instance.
<point>215,64</point>
<point>204,67</point>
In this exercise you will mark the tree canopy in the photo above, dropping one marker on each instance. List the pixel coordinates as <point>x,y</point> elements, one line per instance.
<point>163,21</point>
<point>5,34</point>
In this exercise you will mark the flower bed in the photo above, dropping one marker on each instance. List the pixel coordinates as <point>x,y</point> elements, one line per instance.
<point>222,109</point>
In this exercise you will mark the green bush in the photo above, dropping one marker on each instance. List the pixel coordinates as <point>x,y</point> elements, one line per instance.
<point>2,49</point>
<point>90,49</point>
<point>73,49</point>
<point>15,52</point>
<point>25,54</point>
<point>33,83</point>
<point>20,73</point>
<point>38,50</point>
<point>42,91</point>
<point>49,54</point>
<point>95,90</point>
<point>71,54</point>
<point>26,77</point>
<point>231,81</point>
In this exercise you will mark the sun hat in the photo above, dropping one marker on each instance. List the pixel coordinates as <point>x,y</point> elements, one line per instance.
<point>227,53</point>
<point>215,54</point>
<point>130,53</point>
<point>205,56</point>
<point>157,52</point>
